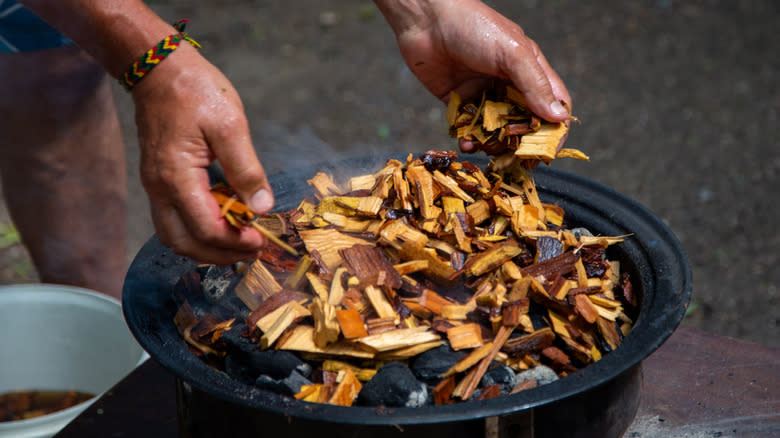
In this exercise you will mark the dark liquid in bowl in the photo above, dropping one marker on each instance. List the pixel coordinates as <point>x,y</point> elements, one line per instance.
<point>22,405</point>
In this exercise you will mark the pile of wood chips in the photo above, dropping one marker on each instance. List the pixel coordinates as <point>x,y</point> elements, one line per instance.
<point>388,265</point>
<point>502,125</point>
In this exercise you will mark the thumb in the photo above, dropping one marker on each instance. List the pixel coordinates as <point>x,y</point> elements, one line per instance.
<point>244,172</point>
<point>543,89</point>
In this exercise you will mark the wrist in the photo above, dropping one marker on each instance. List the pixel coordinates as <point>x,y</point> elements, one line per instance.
<point>177,68</point>
<point>156,55</point>
<point>131,36</point>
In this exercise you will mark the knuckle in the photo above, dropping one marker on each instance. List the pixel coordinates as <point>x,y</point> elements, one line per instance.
<point>248,176</point>
<point>230,124</point>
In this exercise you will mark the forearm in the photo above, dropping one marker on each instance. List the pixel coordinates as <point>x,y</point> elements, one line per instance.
<point>114,32</point>
<point>405,15</point>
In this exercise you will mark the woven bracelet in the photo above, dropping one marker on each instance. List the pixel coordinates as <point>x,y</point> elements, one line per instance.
<point>153,56</point>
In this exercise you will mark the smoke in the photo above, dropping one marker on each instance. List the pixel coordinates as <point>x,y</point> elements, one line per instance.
<point>299,153</point>
<point>281,149</point>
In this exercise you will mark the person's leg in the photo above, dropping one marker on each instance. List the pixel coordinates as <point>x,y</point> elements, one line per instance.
<point>62,164</point>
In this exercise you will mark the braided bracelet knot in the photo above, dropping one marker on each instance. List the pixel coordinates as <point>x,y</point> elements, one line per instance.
<point>155,55</point>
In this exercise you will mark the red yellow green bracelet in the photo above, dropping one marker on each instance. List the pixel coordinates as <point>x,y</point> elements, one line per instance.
<point>153,56</point>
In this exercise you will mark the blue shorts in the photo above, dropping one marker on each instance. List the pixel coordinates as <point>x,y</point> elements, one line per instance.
<point>23,31</point>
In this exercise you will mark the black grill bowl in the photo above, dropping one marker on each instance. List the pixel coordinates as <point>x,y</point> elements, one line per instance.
<point>598,401</point>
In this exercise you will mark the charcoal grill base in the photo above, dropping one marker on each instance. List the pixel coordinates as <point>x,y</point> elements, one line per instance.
<point>599,400</point>
<point>605,411</point>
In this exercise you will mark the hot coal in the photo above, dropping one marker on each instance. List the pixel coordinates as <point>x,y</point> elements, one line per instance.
<point>289,385</point>
<point>430,365</point>
<point>393,385</point>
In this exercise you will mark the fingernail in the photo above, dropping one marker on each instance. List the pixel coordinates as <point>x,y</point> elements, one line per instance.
<point>558,109</point>
<point>261,202</point>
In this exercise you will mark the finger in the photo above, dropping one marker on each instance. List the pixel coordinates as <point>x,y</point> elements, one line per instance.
<point>468,146</point>
<point>174,234</point>
<point>525,66</point>
<point>243,171</point>
<point>185,209</point>
<point>559,88</point>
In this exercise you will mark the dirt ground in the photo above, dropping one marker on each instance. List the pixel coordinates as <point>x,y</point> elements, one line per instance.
<point>679,103</point>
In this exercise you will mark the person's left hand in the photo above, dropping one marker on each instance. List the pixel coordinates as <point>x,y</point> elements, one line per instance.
<point>463,45</point>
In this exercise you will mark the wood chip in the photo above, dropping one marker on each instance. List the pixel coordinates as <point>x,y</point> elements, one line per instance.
<point>396,339</point>
<point>465,336</point>
<point>351,324</point>
<point>347,390</point>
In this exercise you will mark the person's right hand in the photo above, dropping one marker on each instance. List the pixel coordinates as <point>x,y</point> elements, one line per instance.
<point>188,114</point>
<point>463,46</point>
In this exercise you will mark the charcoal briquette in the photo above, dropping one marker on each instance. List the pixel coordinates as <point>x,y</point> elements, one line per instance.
<point>242,353</point>
<point>393,385</point>
<point>277,364</point>
<point>430,365</point>
<point>236,342</point>
<point>541,373</point>
<point>501,375</point>
<point>289,385</point>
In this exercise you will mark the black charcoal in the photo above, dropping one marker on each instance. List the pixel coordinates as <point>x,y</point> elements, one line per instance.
<point>236,341</point>
<point>430,365</point>
<point>244,354</point>
<point>289,385</point>
<point>538,315</point>
<point>277,364</point>
<point>393,385</point>
<point>501,375</point>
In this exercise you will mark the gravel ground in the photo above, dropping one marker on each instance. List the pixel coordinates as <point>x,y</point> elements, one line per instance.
<point>679,103</point>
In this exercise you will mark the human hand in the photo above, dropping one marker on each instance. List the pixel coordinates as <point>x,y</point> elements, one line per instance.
<point>188,114</point>
<point>462,46</point>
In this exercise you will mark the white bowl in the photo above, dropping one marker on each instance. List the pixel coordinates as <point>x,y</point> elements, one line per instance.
<point>55,337</point>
